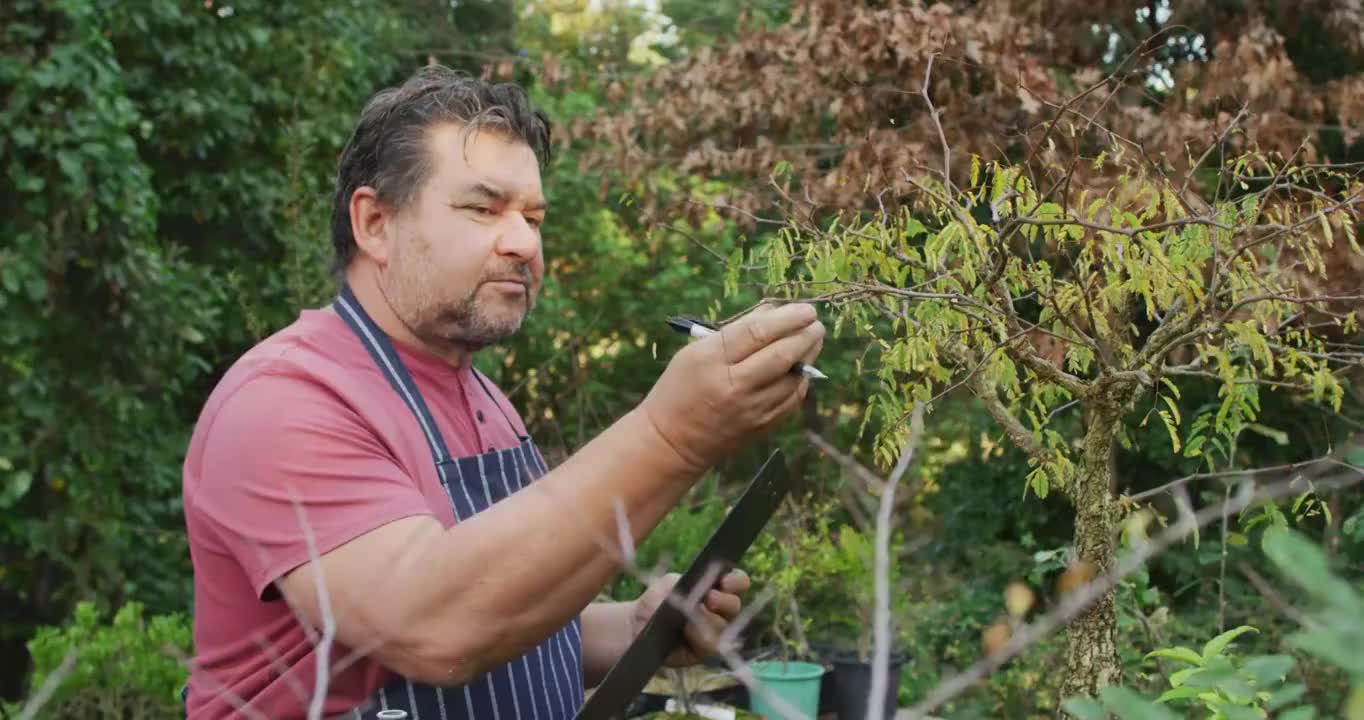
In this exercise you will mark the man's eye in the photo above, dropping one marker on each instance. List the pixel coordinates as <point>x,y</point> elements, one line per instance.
<point>535,222</point>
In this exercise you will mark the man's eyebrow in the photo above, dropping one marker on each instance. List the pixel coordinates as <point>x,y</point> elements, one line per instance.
<point>498,195</point>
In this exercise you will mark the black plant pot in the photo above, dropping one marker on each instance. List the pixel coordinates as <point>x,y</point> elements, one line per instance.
<point>825,654</point>
<point>852,688</point>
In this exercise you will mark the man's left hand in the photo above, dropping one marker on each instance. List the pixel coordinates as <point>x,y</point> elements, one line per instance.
<point>718,608</point>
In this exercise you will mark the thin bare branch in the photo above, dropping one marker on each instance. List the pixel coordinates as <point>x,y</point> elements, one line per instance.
<point>1286,468</point>
<point>881,624</point>
<point>220,689</point>
<point>1216,144</point>
<point>937,123</point>
<point>868,478</point>
<point>50,684</point>
<point>322,674</point>
<point>1128,232</point>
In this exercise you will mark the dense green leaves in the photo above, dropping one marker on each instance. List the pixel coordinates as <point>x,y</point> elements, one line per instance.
<point>168,160</point>
<point>1228,686</point>
<point>125,666</point>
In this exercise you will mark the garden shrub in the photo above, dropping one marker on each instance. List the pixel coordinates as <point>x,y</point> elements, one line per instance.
<point>129,666</point>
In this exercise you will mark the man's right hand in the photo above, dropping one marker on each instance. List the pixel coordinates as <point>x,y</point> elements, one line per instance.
<point>721,392</point>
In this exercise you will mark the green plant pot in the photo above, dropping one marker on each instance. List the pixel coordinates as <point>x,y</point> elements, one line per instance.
<point>795,683</point>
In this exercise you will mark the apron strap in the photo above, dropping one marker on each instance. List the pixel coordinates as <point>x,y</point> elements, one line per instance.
<point>380,347</point>
<point>479,377</point>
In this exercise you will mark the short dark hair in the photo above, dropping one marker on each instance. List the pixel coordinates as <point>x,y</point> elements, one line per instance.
<point>388,150</point>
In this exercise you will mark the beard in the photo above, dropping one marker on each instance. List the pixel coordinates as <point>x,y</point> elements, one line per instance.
<point>469,322</point>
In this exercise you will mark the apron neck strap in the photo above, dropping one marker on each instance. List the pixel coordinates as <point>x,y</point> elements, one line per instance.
<point>385,356</point>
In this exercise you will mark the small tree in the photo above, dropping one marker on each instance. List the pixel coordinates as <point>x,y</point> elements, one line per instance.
<point>1102,262</point>
<point>1041,302</point>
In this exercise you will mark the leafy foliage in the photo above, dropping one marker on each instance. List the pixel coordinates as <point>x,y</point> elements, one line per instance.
<point>1228,687</point>
<point>126,666</point>
<point>167,161</point>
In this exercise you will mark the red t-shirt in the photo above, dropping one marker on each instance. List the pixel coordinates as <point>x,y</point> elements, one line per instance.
<point>306,420</point>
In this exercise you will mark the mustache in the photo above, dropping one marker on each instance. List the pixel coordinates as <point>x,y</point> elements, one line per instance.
<point>518,273</point>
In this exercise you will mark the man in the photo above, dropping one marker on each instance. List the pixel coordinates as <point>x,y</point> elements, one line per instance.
<point>366,511</point>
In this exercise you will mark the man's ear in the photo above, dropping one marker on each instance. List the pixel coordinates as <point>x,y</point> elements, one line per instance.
<point>370,224</point>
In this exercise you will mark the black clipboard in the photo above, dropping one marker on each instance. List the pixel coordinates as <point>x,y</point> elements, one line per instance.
<point>726,546</point>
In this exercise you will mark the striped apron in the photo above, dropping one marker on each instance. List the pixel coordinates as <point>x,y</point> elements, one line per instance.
<point>546,683</point>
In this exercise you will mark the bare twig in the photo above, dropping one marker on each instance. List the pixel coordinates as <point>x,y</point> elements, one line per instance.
<point>1222,572</point>
<point>220,689</point>
<point>322,674</point>
<point>49,686</point>
<point>867,477</point>
<point>1288,468</point>
<point>937,123</point>
<point>1274,597</point>
<point>881,625</point>
<point>1127,232</point>
<point>1216,144</point>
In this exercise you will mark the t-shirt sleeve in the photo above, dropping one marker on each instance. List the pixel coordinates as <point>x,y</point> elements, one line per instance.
<point>285,458</point>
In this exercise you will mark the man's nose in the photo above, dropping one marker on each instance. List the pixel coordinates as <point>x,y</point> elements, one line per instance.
<point>519,238</point>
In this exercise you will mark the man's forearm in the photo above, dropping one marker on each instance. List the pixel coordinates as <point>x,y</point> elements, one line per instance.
<point>608,629</point>
<point>556,544</point>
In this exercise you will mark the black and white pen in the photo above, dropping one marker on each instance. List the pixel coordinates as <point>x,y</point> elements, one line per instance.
<point>698,329</point>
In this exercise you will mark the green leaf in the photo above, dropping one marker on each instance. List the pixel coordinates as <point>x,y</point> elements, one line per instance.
<point>1179,652</point>
<point>1177,679</point>
<point>15,487</point>
<point>1278,436</point>
<point>1331,646</point>
<point>1240,712</point>
<point>1285,695</point>
<point>1170,426</point>
<point>1174,411</point>
<point>1084,709</point>
<point>1268,669</point>
<point>1216,645</point>
<point>1304,712</point>
<point>1303,562</point>
<point>1179,693</point>
<point>1354,707</point>
<point>1128,705</point>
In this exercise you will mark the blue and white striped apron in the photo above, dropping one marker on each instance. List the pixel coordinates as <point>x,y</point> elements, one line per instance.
<point>547,682</point>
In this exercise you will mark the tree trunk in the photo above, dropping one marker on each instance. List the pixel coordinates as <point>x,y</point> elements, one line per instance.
<point>1092,651</point>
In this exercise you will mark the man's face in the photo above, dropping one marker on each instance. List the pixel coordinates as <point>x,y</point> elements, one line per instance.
<point>466,263</point>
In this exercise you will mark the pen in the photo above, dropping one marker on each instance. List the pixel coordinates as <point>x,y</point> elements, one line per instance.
<point>698,329</point>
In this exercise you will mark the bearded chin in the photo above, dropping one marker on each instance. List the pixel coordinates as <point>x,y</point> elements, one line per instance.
<point>445,325</point>
<point>466,326</point>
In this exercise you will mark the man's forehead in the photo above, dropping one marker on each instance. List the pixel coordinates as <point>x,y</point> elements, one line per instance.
<point>483,160</point>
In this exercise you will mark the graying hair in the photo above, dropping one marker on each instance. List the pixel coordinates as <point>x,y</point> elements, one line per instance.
<point>388,151</point>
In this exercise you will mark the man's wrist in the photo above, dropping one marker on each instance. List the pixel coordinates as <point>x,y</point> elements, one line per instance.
<point>669,460</point>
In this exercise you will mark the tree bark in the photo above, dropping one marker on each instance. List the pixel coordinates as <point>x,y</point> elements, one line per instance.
<point>1092,651</point>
